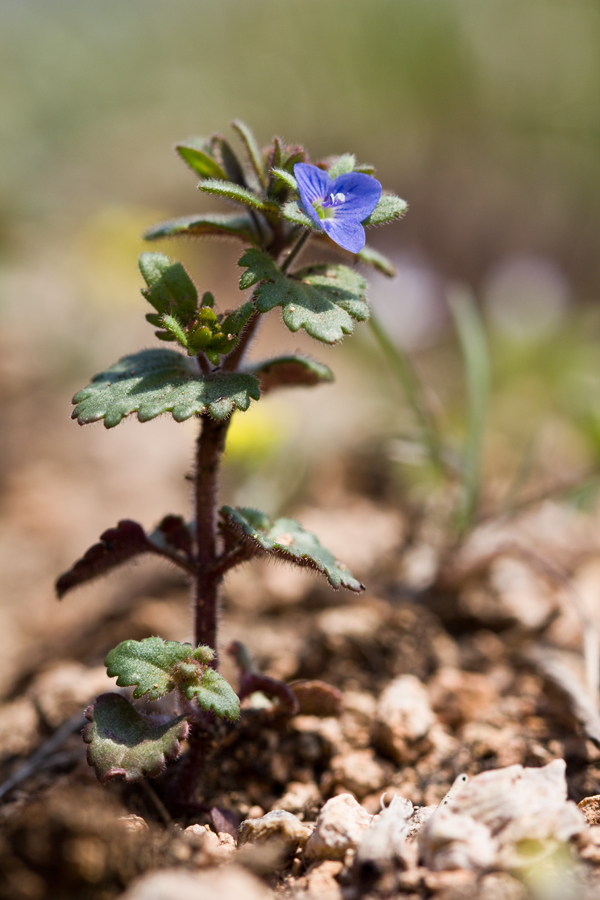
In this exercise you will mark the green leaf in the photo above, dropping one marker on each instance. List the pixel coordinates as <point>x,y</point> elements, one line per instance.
<point>376,259</point>
<point>259,267</point>
<point>214,693</point>
<point>252,149</point>
<point>287,539</point>
<point>293,212</point>
<point>285,176</point>
<point>342,165</point>
<point>324,300</point>
<point>211,225</point>
<point>157,381</point>
<point>231,164</point>
<point>390,207</point>
<point>365,168</point>
<point>124,743</point>
<point>198,154</point>
<point>170,289</point>
<point>149,664</point>
<point>235,321</point>
<point>290,371</point>
<point>175,330</point>
<point>157,667</point>
<point>227,190</point>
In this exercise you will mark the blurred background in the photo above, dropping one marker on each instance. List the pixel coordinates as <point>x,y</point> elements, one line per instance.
<point>485,117</point>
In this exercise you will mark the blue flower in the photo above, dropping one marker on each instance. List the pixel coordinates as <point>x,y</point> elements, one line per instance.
<point>338,205</point>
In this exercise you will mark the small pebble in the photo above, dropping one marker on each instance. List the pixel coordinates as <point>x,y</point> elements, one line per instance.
<point>340,826</point>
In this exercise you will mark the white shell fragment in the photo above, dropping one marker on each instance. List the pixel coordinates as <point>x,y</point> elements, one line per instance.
<point>506,818</point>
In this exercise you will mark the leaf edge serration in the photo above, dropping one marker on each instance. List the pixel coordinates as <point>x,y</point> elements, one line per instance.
<point>238,520</point>
<point>227,391</point>
<point>152,769</point>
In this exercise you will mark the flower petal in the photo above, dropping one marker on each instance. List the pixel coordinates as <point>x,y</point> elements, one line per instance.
<point>347,232</point>
<point>314,186</point>
<point>361,193</point>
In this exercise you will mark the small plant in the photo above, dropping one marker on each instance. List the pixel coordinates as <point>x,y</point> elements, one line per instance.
<point>283,202</point>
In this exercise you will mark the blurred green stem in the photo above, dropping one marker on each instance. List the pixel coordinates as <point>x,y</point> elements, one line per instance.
<point>404,371</point>
<point>295,250</point>
<point>473,344</point>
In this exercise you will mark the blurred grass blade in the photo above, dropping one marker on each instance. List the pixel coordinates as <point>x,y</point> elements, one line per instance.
<point>475,355</point>
<point>404,371</point>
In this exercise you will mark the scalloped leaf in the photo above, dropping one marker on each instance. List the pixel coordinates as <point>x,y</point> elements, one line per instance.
<point>149,664</point>
<point>228,190</point>
<point>117,546</point>
<point>376,259</point>
<point>125,743</point>
<point>324,300</point>
<point>214,693</point>
<point>198,154</point>
<point>205,225</point>
<point>286,539</point>
<point>158,381</point>
<point>290,371</point>
<point>157,667</point>
<point>390,207</point>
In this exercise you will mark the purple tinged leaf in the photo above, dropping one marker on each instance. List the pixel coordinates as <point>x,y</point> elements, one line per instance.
<point>127,744</point>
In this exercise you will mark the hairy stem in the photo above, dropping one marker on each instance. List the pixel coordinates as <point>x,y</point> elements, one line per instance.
<point>295,250</point>
<point>211,443</point>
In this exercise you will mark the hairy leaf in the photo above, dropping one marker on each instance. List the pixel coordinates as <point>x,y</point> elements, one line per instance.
<point>376,259</point>
<point>293,212</point>
<point>252,149</point>
<point>199,155</point>
<point>149,664</point>
<point>157,667</point>
<point>231,164</point>
<point>117,546</point>
<point>365,168</point>
<point>287,539</point>
<point>324,300</point>
<point>227,190</point>
<point>211,225</point>
<point>342,165</point>
<point>124,743</point>
<point>290,371</point>
<point>214,693</point>
<point>157,381</point>
<point>173,533</point>
<point>286,177</point>
<point>389,208</point>
<point>170,289</point>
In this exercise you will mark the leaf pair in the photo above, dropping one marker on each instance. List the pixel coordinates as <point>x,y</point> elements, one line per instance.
<point>157,667</point>
<point>124,742</point>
